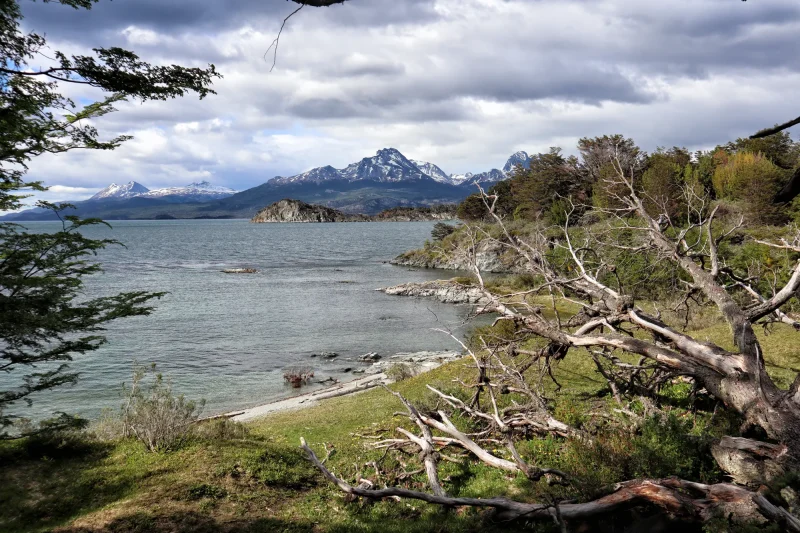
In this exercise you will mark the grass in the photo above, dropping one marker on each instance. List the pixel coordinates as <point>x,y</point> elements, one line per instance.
<point>256,479</point>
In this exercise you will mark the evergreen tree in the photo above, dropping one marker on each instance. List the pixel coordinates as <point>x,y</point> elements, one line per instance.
<point>44,320</point>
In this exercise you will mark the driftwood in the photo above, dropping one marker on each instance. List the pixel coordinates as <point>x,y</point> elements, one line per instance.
<point>682,499</point>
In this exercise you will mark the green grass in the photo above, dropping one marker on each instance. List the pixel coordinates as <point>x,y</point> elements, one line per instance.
<point>258,480</point>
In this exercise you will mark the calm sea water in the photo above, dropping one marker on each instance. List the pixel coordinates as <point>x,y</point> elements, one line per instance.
<point>228,337</point>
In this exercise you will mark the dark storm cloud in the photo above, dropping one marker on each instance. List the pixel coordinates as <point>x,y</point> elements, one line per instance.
<point>323,108</point>
<point>210,16</point>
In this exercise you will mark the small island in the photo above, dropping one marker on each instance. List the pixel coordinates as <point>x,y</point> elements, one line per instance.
<point>289,210</point>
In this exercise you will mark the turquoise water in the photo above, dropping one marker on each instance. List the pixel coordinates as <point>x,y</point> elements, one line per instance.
<point>228,337</point>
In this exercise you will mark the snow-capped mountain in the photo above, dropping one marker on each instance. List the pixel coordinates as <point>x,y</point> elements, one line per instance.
<point>128,190</point>
<point>386,166</point>
<point>390,166</point>
<point>193,192</point>
<point>519,158</point>
<point>202,190</point>
<point>432,171</point>
<point>458,179</point>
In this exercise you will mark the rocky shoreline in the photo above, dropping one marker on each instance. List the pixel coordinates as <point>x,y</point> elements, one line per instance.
<point>491,257</point>
<point>446,291</point>
<point>376,375</point>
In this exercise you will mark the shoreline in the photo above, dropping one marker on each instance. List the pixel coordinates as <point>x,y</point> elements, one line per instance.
<point>423,362</point>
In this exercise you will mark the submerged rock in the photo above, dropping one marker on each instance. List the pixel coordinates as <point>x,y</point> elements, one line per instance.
<point>240,271</point>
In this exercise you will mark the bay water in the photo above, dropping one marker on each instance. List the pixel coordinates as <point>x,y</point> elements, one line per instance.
<point>227,338</point>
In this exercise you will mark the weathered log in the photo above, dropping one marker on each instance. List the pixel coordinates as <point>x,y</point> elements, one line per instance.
<point>679,498</point>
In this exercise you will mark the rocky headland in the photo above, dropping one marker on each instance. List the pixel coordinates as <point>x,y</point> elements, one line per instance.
<point>490,256</point>
<point>446,291</point>
<point>288,210</point>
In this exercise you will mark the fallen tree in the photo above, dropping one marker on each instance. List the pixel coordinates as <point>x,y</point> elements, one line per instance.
<point>576,265</point>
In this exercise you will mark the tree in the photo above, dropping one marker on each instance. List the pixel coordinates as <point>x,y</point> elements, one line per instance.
<point>44,319</point>
<point>752,180</point>
<point>663,181</point>
<point>549,177</point>
<point>600,158</point>
<point>635,351</point>
<point>473,207</point>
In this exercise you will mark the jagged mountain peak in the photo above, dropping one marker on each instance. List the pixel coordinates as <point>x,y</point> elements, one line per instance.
<point>432,171</point>
<point>389,165</point>
<point>517,158</point>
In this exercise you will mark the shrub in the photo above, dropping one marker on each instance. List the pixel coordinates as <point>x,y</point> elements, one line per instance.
<point>156,417</point>
<point>109,427</point>
<point>221,429</point>
<point>400,371</point>
<point>441,230</point>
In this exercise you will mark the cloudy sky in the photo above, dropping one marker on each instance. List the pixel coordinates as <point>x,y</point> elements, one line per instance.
<point>461,83</point>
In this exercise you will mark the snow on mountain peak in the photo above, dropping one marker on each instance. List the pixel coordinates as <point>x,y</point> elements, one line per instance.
<point>518,158</point>
<point>127,190</point>
<point>202,190</point>
<point>390,165</point>
<point>432,171</point>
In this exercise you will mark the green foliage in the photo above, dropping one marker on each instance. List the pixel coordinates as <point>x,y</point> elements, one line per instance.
<point>204,490</point>
<point>753,180</point>
<point>221,429</point>
<point>778,148</point>
<point>663,181</point>
<point>441,230</point>
<point>551,177</point>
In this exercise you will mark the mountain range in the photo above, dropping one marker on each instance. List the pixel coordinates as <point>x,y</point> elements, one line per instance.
<point>387,179</point>
<point>194,192</point>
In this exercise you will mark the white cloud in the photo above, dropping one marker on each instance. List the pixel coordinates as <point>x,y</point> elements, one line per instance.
<point>462,83</point>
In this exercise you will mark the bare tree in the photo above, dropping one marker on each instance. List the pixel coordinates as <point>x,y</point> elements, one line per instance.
<point>611,323</point>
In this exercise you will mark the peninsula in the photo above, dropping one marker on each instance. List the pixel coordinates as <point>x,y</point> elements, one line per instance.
<point>288,210</point>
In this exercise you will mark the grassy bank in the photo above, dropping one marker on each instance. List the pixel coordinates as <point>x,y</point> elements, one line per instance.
<point>253,477</point>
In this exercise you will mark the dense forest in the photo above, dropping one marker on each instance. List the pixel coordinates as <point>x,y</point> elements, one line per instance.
<point>753,176</point>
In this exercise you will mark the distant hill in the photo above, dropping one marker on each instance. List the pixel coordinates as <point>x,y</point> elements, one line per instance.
<point>384,181</point>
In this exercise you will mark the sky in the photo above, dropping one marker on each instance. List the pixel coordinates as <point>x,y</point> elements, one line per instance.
<point>460,83</point>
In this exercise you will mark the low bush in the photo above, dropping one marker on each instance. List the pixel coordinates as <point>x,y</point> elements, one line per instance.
<point>154,415</point>
<point>221,429</point>
<point>401,371</point>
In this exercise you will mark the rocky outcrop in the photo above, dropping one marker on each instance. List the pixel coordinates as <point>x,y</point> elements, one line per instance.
<point>417,214</point>
<point>490,256</point>
<point>445,291</point>
<point>288,210</point>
